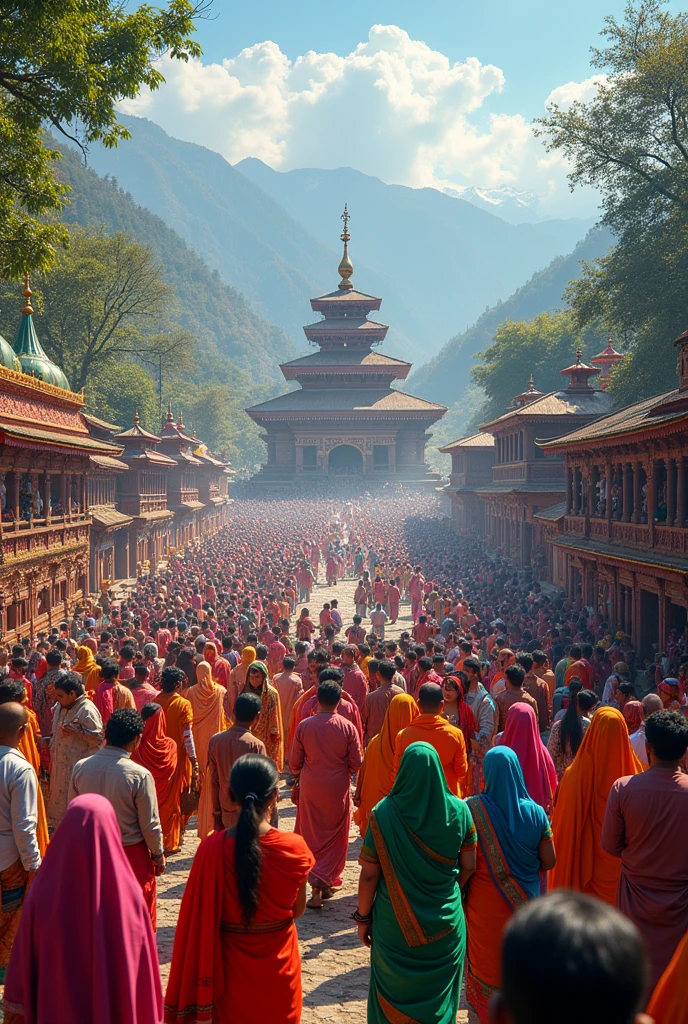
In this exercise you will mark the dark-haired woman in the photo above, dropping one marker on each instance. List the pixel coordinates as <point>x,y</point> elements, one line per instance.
<point>568,731</point>
<point>236,955</point>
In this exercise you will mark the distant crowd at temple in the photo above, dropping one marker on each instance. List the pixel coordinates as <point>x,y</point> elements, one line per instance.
<point>594,500</point>
<point>84,502</point>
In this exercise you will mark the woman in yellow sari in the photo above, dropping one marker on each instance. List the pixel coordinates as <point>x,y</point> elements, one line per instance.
<point>604,756</point>
<point>206,699</point>
<point>88,670</point>
<point>375,776</point>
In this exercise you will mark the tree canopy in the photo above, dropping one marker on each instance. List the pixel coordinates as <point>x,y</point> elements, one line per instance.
<point>542,346</point>
<point>67,63</point>
<point>631,143</point>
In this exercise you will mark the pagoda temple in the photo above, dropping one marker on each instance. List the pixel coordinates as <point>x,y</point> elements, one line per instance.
<point>345,419</point>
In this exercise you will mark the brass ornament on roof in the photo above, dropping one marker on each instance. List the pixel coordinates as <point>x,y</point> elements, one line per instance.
<point>27,308</point>
<point>346,267</point>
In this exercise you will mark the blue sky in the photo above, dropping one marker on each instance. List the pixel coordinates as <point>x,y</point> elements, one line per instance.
<point>438,93</point>
<point>538,43</point>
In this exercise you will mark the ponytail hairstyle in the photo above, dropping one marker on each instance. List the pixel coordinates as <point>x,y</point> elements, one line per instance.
<point>571,728</point>
<point>252,782</point>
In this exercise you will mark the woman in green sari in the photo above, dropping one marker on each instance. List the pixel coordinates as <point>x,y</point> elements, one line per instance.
<point>419,848</point>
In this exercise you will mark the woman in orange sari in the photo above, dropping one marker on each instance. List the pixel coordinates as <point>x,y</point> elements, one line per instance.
<point>604,756</point>
<point>514,847</point>
<point>15,690</point>
<point>375,775</point>
<point>669,1002</point>
<point>236,953</point>
<point>207,699</point>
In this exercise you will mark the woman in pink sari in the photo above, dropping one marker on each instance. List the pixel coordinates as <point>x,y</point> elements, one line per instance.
<point>522,735</point>
<point>85,948</point>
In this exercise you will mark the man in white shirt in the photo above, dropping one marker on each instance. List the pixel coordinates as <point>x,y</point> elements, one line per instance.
<point>130,788</point>
<point>651,702</point>
<point>378,618</point>
<point>20,857</point>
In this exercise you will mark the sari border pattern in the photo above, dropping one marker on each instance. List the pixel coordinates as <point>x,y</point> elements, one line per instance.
<point>193,1014</point>
<point>513,894</point>
<point>393,1015</point>
<point>410,927</point>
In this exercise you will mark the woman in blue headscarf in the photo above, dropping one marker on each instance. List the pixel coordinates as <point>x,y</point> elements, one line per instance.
<point>514,847</point>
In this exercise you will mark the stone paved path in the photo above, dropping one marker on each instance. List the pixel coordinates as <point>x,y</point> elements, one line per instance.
<point>334,963</point>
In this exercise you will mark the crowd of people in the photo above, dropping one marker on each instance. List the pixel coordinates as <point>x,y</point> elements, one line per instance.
<point>515,771</point>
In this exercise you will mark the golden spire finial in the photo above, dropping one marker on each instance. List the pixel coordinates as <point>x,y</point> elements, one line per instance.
<point>346,267</point>
<point>28,308</point>
<point>579,354</point>
<point>136,419</point>
<point>180,421</point>
<point>531,383</point>
<point>170,415</point>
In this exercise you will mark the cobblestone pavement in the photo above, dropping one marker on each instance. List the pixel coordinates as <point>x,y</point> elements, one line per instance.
<point>334,963</point>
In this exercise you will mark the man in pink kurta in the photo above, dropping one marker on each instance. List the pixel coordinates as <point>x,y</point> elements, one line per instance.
<point>646,825</point>
<point>325,753</point>
<point>347,709</point>
<point>354,682</point>
<point>289,685</point>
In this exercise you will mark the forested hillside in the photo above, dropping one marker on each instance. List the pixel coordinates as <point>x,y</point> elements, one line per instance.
<point>219,316</point>
<point>445,377</point>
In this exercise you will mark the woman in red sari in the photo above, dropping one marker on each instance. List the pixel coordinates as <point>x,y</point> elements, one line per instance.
<point>236,954</point>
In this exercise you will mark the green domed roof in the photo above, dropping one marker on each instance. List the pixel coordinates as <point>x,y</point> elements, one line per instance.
<point>32,358</point>
<point>7,356</point>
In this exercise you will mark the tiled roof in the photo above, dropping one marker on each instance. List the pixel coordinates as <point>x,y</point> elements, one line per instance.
<point>344,323</point>
<point>652,558</point>
<point>552,512</point>
<point>148,455</point>
<point>105,516</point>
<point>93,421</point>
<point>189,506</point>
<point>346,400</point>
<point>560,403</point>
<point>641,416</point>
<point>82,442</point>
<point>107,462</point>
<point>351,296</point>
<point>483,439</point>
<point>346,357</point>
<point>522,487</point>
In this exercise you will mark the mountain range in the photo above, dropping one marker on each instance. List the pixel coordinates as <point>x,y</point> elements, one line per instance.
<point>437,261</point>
<point>513,205</point>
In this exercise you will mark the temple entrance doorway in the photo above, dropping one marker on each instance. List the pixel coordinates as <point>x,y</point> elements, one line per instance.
<point>345,460</point>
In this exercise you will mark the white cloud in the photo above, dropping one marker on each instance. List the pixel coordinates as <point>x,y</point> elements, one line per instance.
<point>393,107</point>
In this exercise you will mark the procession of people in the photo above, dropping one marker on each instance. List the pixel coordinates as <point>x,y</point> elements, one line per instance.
<point>512,767</point>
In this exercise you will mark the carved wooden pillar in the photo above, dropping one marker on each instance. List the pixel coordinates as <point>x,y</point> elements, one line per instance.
<point>637,491</point>
<point>651,498</point>
<point>569,491</point>
<point>670,491</point>
<point>46,497</point>
<point>608,502</point>
<point>627,492</point>
<point>17,486</point>
<point>681,492</point>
